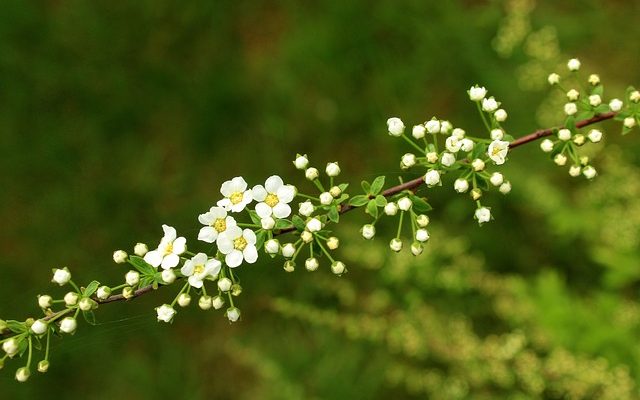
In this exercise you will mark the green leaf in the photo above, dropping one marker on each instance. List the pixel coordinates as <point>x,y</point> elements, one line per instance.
<point>599,90</point>
<point>141,265</point>
<point>381,201</point>
<point>333,215</point>
<point>420,205</point>
<point>283,223</point>
<point>16,326</point>
<point>298,223</point>
<point>359,200</point>
<point>255,218</point>
<point>479,150</point>
<point>343,186</point>
<point>366,187</point>
<point>377,185</point>
<point>22,347</point>
<point>260,238</point>
<point>602,108</point>
<point>91,288</point>
<point>372,208</point>
<point>90,317</point>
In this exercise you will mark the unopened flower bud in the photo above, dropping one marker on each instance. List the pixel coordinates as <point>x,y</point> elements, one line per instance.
<point>288,250</point>
<point>140,249</point>
<point>575,170</point>
<point>10,347</point>
<point>461,185</point>
<point>573,95</point>
<point>128,292</point>
<point>497,134</point>
<point>333,243</point>
<point>553,79</point>
<point>405,203</point>
<point>233,314</point>
<point>204,302</point>
<point>301,161</point>
<point>272,246</point>
<point>45,301</point>
<point>416,248</point>
<point>314,225</point>
<point>326,198</point>
<point>132,278</point>
<point>489,105</point>
<point>422,235</point>
<point>408,160</point>
<point>483,214</point>
<point>224,284</point>
<point>432,177</point>
<point>86,304</point>
<point>43,366</point>
<point>629,122</point>
<point>217,302</point>
<point>337,267</point>
<point>477,93</point>
<point>311,264</point>
<point>395,244</point>
<point>306,236</point>
<point>267,223</point>
<point>335,191</point>
<point>391,209</point>
<point>546,145</point>
<point>505,188</point>
<point>61,276</point>
<point>595,100</point>
<point>120,256</point>
<point>311,173</point>
<point>333,169</point>
<point>477,165</point>
<point>447,159</point>
<point>501,115</point>
<point>68,325</point>
<point>71,298</point>
<point>306,208</point>
<point>289,266</point>
<point>168,276</point>
<point>39,327</point>
<point>395,126</point>
<point>418,131</point>
<point>236,290</point>
<point>184,299</point>
<point>594,79</point>
<point>496,179</point>
<point>432,157</point>
<point>589,172</point>
<point>476,194</point>
<point>570,108</point>
<point>615,105</point>
<point>433,126</point>
<point>579,139</point>
<point>635,96</point>
<point>573,64</point>
<point>564,134</point>
<point>422,220</point>
<point>560,159</point>
<point>368,231</point>
<point>23,374</point>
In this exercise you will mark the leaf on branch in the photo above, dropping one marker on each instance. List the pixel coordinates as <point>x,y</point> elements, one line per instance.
<point>372,208</point>
<point>141,265</point>
<point>359,200</point>
<point>377,185</point>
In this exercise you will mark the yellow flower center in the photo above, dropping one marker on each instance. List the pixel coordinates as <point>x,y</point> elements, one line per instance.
<point>168,249</point>
<point>198,269</point>
<point>240,243</point>
<point>236,197</point>
<point>220,225</point>
<point>496,151</point>
<point>271,200</point>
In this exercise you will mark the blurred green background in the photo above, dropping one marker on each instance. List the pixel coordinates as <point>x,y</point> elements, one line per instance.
<point>118,116</point>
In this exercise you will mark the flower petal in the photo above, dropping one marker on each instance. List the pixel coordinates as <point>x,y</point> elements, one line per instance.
<point>225,244</point>
<point>234,258</point>
<point>259,193</point>
<point>187,268</point>
<point>263,210</point>
<point>213,266</point>
<point>169,232</point>
<point>281,210</point>
<point>233,232</point>
<point>286,193</point>
<point>227,188</point>
<point>273,183</point>
<point>179,245</point>
<point>154,258</point>
<point>207,234</point>
<point>195,281</point>
<point>170,261</point>
<point>224,203</point>
<point>218,212</point>
<point>250,254</point>
<point>238,184</point>
<point>249,236</point>
<point>206,218</point>
<point>199,259</point>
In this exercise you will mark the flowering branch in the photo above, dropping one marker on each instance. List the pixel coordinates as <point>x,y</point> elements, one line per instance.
<point>212,275</point>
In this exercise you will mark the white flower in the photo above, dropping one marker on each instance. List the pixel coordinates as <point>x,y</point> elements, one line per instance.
<point>573,95</point>
<point>466,145</point>
<point>589,172</point>
<point>236,195</point>
<point>311,173</point>
<point>216,221</point>
<point>570,108</point>
<point>184,300</point>
<point>71,298</point>
<point>272,246</point>
<point>433,125</point>
<point>132,278</point>
<point>615,105</point>
<point>395,126</point>
<point>314,225</point>
<point>497,134</point>
<point>224,284</point>
<point>483,214</point>
<point>497,151</point>
<point>408,160</point>
<point>140,249</point>
<point>326,198</point>
<point>368,231</point>
<point>333,169</point>
<point>416,248</point>
<point>501,115</point>
<point>459,133</point>
<point>168,253</point>
<point>68,325</point>
<point>23,374</point>
<point>165,313</point>
<point>573,64</point>
<point>233,314</point>
<point>595,100</point>
<point>391,209</point>
<point>10,347</point>
<point>237,246</point>
<point>395,244</point>
<point>575,170</point>
<point>477,165</point>
<point>546,145</point>
<point>432,157</point>
<point>447,159</point>
<point>267,223</point>
<point>120,256</point>
<point>103,292</point>
<point>496,179</point>
<point>432,177</point>
<point>595,135</point>
<point>564,134</point>
<point>337,267</point>
<point>311,264</point>
<point>477,93</point>
<point>594,79</point>
<point>39,327</point>
<point>422,235</point>
<point>422,220</point>
<point>453,144</point>
<point>61,276</point>
<point>635,96</point>
<point>553,79</point>
<point>168,276</point>
<point>306,208</point>
<point>274,198</point>
<point>461,185</point>
<point>405,204</point>
<point>45,301</point>
<point>490,104</point>
<point>629,122</point>
<point>288,250</point>
<point>445,127</point>
<point>301,161</point>
<point>333,242</point>
<point>418,131</point>
<point>560,159</point>
<point>505,188</point>
<point>199,268</point>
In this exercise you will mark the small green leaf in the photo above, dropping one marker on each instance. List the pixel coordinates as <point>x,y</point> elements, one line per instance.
<point>585,114</point>
<point>333,215</point>
<point>381,201</point>
<point>359,200</point>
<point>377,185</point>
<point>141,265</point>
<point>343,186</point>
<point>602,108</point>
<point>420,205</point>
<point>298,223</point>
<point>372,208</point>
<point>260,238</point>
<point>90,317</point>
<point>282,223</point>
<point>255,218</point>
<point>599,90</point>
<point>91,288</point>
<point>16,326</point>
<point>366,187</point>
